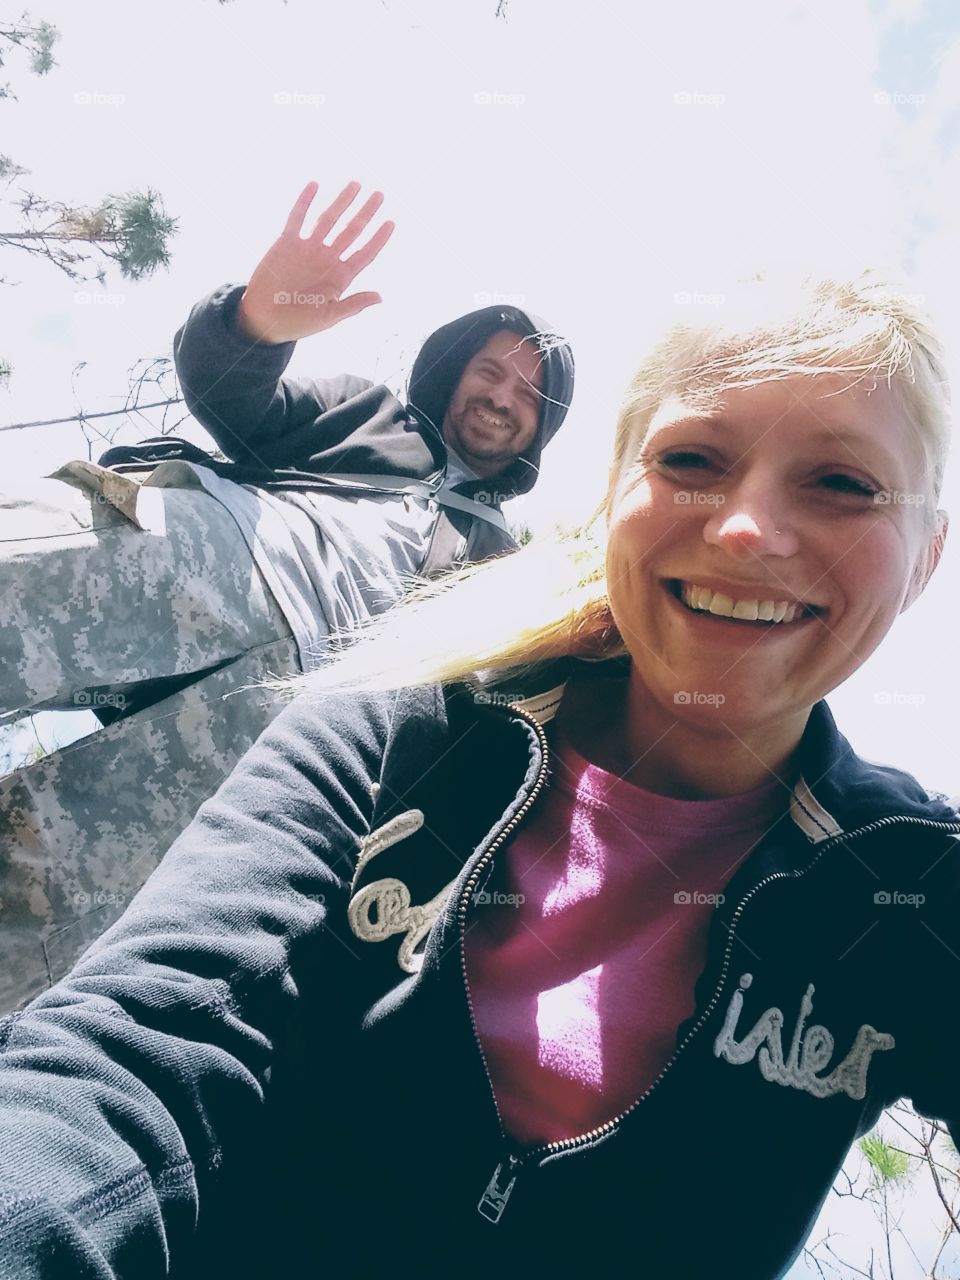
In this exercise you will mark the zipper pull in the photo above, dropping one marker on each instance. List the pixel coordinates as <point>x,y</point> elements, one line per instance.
<point>494,1199</point>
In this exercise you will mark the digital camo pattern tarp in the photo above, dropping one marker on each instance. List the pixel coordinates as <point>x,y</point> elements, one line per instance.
<point>88,599</point>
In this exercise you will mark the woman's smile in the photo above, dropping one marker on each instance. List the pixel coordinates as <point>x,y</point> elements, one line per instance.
<point>796,569</point>
<point>738,630</point>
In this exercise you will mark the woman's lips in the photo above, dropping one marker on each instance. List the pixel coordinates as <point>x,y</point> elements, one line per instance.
<point>730,628</point>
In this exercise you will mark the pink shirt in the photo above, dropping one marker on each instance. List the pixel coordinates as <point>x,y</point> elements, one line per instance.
<point>583,963</point>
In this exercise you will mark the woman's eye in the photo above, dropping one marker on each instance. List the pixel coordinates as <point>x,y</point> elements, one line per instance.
<point>837,482</point>
<point>684,458</point>
<point>849,484</point>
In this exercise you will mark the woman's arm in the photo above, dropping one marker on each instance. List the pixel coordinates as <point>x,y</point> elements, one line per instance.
<point>126,1087</point>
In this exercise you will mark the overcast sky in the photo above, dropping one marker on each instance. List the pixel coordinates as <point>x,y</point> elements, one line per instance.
<point>590,159</point>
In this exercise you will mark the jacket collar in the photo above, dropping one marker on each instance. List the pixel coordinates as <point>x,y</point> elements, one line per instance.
<point>836,792</point>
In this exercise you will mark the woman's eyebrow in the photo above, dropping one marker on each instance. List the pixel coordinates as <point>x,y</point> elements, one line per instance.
<point>695,420</point>
<point>825,432</point>
<point>855,441</point>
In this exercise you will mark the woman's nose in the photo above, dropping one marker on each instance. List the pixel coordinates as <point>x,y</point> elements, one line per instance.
<point>750,529</point>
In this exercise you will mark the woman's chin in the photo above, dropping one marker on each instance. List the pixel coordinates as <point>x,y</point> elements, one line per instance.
<point>725,706</point>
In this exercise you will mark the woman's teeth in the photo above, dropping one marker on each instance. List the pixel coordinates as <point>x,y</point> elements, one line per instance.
<point>704,600</point>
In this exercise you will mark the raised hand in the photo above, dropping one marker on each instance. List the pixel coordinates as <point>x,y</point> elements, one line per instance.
<point>297,286</point>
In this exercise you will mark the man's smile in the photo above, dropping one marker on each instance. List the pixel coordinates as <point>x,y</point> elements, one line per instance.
<point>490,419</point>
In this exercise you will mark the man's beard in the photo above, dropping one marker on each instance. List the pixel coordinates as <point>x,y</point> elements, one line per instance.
<point>476,441</point>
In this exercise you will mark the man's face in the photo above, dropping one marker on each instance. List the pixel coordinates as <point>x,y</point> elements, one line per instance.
<point>495,407</point>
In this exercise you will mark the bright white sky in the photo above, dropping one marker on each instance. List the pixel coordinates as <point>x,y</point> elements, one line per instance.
<point>621,156</point>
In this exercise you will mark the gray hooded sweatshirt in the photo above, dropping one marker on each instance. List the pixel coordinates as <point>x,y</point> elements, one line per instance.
<point>343,493</point>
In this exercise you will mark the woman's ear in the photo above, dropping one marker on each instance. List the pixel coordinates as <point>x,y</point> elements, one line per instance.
<point>928,561</point>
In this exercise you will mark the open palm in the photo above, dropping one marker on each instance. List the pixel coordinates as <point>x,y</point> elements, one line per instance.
<point>297,287</point>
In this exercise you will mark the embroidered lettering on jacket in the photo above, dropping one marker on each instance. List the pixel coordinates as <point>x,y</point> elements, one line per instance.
<point>804,1059</point>
<point>383,908</point>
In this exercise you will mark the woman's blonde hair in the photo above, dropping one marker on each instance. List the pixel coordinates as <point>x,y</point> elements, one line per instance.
<point>549,599</point>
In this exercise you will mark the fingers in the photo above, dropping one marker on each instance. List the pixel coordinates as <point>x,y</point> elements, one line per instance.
<point>299,210</point>
<point>329,216</point>
<point>345,238</point>
<point>347,307</point>
<point>356,224</point>
<point>366,254</point>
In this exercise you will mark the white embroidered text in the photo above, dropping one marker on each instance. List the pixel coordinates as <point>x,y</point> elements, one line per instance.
<point>383,908</point>
<point>807,1056</point>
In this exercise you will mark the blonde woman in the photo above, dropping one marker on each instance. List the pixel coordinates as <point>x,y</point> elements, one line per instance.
<point>555,923</point>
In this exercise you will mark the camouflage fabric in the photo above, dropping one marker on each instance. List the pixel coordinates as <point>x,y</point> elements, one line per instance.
<point>89,600</point>
<point>81,829</point>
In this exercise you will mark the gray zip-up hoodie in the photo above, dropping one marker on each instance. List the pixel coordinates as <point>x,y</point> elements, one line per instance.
<point>304,433</point>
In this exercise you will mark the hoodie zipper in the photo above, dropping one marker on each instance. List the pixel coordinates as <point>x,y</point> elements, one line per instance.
<point>493,1202</point>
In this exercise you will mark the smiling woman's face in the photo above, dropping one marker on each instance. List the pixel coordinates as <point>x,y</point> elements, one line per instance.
<point>769,497</point>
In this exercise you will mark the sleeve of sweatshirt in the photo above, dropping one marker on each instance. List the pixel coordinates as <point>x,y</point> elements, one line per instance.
<point>237,390</point>
<point>127,1088</point>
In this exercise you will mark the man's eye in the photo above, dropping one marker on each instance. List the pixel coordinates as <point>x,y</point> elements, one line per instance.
<point>841,483</point>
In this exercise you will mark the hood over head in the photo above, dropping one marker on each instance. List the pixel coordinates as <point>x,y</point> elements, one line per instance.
<point>448,351</point>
